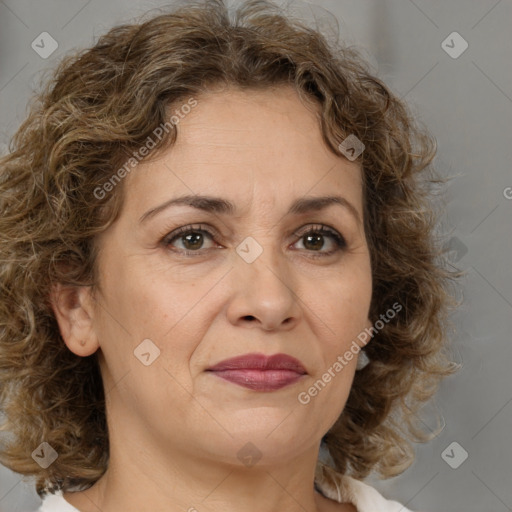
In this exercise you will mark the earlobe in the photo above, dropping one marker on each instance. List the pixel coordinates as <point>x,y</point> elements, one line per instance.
<point>74,312</point>
<point>364,338</point>
<point>369,326</point>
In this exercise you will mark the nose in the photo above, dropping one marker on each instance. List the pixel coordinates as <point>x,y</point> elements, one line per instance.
<point>264,294</point>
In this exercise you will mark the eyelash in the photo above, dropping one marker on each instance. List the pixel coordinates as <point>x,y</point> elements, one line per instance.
<point>320,229</point>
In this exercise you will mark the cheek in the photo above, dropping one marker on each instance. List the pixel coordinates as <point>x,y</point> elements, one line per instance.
<point>342,303</point>
<point>147,299</point>
<point>169,306</point>
<point>341,309</point>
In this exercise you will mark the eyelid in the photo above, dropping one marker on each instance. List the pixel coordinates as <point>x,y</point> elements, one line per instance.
<point>316,227</point>
<point>203,228</point>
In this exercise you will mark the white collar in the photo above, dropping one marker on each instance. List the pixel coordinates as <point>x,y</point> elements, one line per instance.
<point>345,489</point>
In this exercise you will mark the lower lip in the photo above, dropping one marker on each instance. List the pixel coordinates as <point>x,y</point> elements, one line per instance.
<point>260,380</point>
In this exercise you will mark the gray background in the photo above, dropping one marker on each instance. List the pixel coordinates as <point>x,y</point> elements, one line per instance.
<point>467,104</point>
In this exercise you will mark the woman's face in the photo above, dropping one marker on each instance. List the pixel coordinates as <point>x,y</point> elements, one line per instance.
<point>240,282</point>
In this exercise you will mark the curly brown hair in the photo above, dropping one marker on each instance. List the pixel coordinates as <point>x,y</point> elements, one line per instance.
<point>100,105</point>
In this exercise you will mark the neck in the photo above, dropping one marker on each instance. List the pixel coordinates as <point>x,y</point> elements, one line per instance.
<point>139,480</point>
<point>148,471</point>
<point>135,481</point>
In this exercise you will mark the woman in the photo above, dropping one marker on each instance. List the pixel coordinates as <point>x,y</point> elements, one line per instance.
<point>217,257</point>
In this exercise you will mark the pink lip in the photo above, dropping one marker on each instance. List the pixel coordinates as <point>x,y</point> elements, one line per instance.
<point>260,372</point>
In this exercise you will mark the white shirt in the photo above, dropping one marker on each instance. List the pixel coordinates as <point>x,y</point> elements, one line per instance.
<point>332,484</point>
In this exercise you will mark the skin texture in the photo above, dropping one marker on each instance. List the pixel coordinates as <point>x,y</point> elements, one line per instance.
<point>175,429</point>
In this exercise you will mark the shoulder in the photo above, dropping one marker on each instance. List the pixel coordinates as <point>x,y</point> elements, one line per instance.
<point>345,489</point>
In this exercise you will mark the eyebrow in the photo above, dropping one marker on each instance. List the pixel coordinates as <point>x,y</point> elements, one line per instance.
<point>218,205</point>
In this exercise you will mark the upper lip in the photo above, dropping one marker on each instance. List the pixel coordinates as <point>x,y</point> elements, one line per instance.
<point>260,362</point>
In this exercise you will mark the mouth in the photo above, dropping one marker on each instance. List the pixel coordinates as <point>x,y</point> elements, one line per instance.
<point>260,372</point>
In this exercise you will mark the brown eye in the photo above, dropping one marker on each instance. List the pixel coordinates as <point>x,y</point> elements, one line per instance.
<point>189,239</point>
<point>318,237</point>
<point>314,242</point>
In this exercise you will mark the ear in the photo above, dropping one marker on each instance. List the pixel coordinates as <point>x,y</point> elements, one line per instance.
<point>74,311</point>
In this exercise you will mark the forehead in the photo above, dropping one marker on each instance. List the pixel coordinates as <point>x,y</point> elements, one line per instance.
<point>264,144</point>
